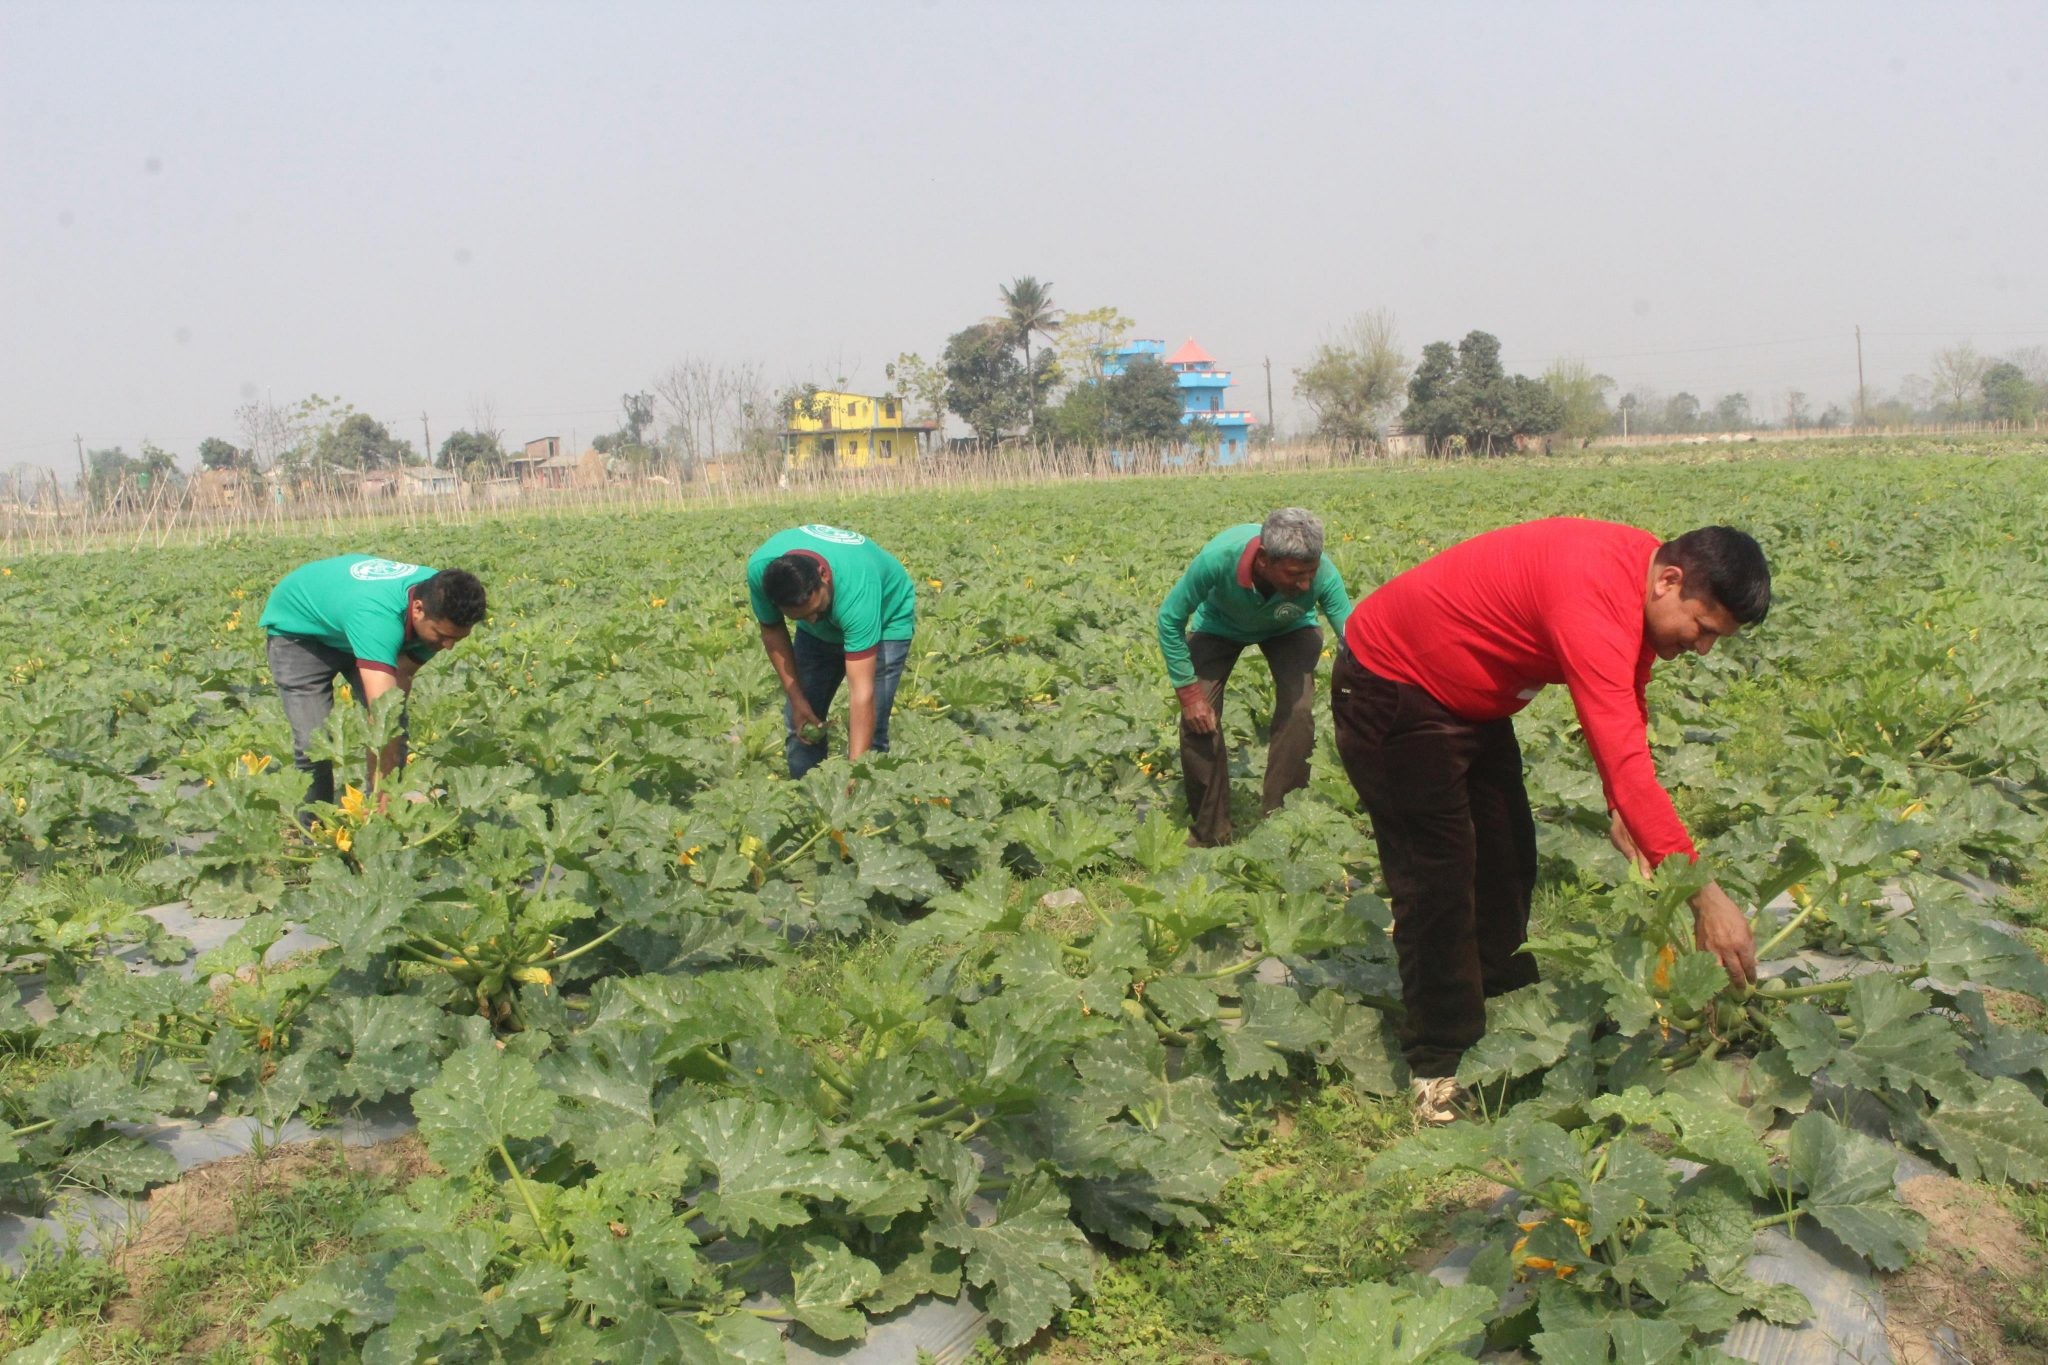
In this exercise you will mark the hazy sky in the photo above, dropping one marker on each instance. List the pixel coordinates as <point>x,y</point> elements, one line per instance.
<point>413,206</point>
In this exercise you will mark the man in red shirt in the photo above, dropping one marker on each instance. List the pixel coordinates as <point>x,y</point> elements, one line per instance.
<point>1434,665</point>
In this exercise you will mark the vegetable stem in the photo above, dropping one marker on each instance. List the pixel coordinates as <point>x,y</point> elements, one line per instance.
<point>597,942</point>
<point>525,1195</point>
<point>1839,986</point>
<point>1764,948</point>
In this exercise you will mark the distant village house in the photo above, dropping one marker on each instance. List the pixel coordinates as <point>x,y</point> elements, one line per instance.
<point>829,429</point>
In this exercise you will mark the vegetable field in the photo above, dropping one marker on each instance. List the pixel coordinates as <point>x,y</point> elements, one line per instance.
<point>706,1057</point>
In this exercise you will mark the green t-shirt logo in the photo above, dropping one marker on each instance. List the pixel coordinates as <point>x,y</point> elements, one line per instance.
<point>376,570</point>
<point>835,535</point>
<point>1286,613</point>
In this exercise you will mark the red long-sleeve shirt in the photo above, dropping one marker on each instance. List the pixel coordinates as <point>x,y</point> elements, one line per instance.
<point>1485,625</point>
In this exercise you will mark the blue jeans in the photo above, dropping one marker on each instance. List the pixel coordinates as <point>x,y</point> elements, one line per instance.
<point>819,670</point>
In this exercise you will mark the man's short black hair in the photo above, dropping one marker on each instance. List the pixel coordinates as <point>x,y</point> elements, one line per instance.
<point>1727,563</point>
<point>790,580</point>
<point>453,595</point>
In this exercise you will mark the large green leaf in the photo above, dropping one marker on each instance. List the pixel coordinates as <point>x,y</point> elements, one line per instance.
<point>1845,1181</point>
<point>439,1296</point>
<point>1527,1030</point>
<point>483,1097</point>
<point>1999,1134</point>
<point>829,1282</point>
<point>1275,1022</point>
<point>1370,1322</point>
<point>768,1163</point>
<point>649,1336</point>
<point>1031,1259</point>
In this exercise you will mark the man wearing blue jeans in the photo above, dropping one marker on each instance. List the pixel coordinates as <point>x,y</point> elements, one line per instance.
<point>855,608</point>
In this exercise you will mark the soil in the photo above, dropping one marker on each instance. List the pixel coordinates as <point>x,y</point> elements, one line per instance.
<point>1943,1308</point>
<point>206,1202</point>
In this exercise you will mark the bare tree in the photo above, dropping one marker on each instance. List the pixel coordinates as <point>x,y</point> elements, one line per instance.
<point>267,432</point>
<point>483,419</point>
<point>1958,375</point>
<point>713,409</point>
<point>1796,415</point>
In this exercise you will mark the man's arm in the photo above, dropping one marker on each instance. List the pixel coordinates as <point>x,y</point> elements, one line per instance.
<point>1645,826</point>
<point>860,703</point>
<point>408,669</point>
<point>782,658</point>
<point>1332,600</point>
<point>1174,614</point>
<point>376,683</point>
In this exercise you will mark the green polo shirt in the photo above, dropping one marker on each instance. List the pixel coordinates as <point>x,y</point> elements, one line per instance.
<point>351,602</point>
<point>1216,597</point>
<point>873,598</point>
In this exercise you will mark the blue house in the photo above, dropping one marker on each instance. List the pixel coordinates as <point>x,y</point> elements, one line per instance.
<point>1201,391</point>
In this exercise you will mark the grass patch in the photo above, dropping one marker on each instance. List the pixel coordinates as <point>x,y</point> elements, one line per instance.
<point>218,1245</point>
<point>1298,1216</point>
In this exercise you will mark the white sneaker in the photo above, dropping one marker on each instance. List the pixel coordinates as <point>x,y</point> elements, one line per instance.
<point>1438,1099</point>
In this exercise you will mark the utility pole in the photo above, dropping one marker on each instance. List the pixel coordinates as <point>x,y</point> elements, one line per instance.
<point>1272,432</point>
<point>1862,403</point>
<point>427,436</point>
<point>79,441</point>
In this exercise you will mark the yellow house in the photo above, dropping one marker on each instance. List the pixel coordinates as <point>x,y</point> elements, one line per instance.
<point>850,431</point>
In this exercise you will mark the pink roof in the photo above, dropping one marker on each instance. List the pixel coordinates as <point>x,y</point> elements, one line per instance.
<point>1190,354</point>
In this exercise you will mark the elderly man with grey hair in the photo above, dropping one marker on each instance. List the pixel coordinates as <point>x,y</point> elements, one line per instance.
<point>1252,585</point>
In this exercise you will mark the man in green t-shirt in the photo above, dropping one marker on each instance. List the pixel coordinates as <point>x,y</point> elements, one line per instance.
<point>1252,585</point>
<point>371,621</point>
<point>855,609</point>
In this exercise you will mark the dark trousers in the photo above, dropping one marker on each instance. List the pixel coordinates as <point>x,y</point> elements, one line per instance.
<point>1205,759</point>
<point>1457,848</point>
<point>820,668</point>
<point>304,671</point>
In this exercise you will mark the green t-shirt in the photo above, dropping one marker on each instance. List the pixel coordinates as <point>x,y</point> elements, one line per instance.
<point>1216,597</point>
<point>351,602</point>
<point>873,598</point>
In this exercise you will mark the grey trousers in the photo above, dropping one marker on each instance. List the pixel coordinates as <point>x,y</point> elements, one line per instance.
<point>304,671</point>
<point>1205,759</point>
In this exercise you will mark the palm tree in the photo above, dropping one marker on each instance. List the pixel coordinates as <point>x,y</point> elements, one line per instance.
<point>1028,308</point>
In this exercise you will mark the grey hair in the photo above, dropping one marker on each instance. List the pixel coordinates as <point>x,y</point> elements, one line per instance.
<point>1292,533</point>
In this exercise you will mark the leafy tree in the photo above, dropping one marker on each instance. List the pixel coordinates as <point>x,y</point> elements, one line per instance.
<point>1144,404</point>
<point>1139,407</point>
<point>1081,418</point>
<point>1352,383</point>
<point>156,467</point>
<point>474,454</point>
<point>985,384</point>
<point>360,442</point>
<point>630,441</point>
<point>1465,395</point>
<point>915,381</point>
<point>1958,376</point>
<point>1509,407</point>
<point>1682,412</point>
<point>106,471</point>
<point>2008,394</point>
<point>1732,412</point>
<point>1581,398</point>
<point>1432,411</point>
<point>1028,308</point>
<point>215,453</point>
<point>1086,338</point>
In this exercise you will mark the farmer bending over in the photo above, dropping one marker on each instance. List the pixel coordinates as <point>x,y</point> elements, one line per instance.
<point>1436,661</point>
<point>855,608</point>
<point>1252,585</point>
<point>372,621</point>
